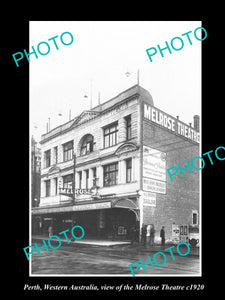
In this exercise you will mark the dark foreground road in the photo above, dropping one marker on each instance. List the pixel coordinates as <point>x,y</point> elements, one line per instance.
<point>86,259</point>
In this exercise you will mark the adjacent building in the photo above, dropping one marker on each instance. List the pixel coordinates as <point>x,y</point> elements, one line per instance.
<point>35,172</point>
<point>106,170</point>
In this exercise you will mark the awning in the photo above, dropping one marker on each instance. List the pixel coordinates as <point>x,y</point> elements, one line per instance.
<point>104,204</point>
<point>70,208</point>
<point>125,203</point>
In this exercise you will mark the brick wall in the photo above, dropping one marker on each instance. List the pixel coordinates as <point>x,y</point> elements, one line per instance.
<point>182,195</point>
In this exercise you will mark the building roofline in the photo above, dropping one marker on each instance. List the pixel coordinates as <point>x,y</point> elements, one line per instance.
<point>100,108</point>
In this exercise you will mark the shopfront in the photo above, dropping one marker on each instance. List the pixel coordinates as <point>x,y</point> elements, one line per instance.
<point>106,220</point>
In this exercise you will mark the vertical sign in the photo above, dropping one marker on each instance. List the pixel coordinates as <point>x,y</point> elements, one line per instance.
<point>149,199</point>
<point>154,170</point>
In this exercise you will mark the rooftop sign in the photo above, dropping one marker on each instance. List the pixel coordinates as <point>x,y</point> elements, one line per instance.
<point>155,115</point>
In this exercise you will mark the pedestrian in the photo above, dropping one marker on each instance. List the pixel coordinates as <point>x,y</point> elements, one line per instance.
<point>162,235</point>
<point>137,234</point>
<point>143,234</point>
<point>114,231</point>
<point>40,227</point>
<point>50,230</point>
<point>152,235</point>
<point>148,234</point>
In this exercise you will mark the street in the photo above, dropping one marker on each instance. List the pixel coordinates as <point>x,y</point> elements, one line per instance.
<point>86,259</point>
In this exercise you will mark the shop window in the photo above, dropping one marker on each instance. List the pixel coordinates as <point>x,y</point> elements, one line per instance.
<point>128,170</point>
<point>47,188</point>
<point>68,151</point>
<point>47,158</point>
<point>110,135</point>
<point>111,174</point>
<point>128,127</point>
<point>87,145</point>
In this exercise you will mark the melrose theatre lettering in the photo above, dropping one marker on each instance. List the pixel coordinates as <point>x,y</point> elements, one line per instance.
<point>157,116</point>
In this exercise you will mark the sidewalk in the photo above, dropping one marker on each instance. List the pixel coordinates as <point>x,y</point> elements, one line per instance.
<point>121,245</point>
<point>158,248</point>
<point>93,242</point>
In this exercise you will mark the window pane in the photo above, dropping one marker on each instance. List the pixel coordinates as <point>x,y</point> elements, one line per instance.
<point>114,139</point>
<point>47,158</point>
<point>47,188</point>
<point>68,146</point>
<point>87,145</point>
<point>128,127</point>
<point>106,144</point>
<point>195,218</point>
<point>110,174</point>
<point>128,170</point>
<point>110,140</point>
<point>129,175</point>
<point>83,151</point>
<point>110,135</point>
<point>56,186</point>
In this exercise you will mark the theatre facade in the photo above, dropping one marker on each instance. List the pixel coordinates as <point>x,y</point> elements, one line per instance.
<point>105,170</point>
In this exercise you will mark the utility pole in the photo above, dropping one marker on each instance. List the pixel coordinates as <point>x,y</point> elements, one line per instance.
<point>91,95</point>
<point>74,176</point>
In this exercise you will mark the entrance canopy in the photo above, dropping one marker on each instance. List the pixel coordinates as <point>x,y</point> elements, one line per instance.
<point>70,208</point>
<point>87,205</point>
<point>124,203</point>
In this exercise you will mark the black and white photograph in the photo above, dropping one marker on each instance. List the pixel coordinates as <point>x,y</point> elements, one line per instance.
<point>115,114</point>
<point>118,152</point>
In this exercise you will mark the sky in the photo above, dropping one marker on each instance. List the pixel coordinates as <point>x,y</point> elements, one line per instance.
<point>97,61</point>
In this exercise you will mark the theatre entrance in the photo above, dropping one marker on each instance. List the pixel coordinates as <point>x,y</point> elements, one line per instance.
<point>111,224</point>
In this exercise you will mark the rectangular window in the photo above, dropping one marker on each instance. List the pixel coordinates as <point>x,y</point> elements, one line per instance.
<point>94,176</point>
<point>110,135</point>
<point>47,157</point>
<point>68,151</point>
<point>47,188</point>
<point>68,181</point>
<point>87,178</point>
<point>111,174</point>
<point>128,127</point>
<point>94,172</point>
<point>194,218</point>
<point>80,179</point>
<point>128,170</point>
<point>56,186</point>
<point>56,154</point>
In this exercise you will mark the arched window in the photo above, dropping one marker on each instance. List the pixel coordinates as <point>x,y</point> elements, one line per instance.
<point>87,145</point>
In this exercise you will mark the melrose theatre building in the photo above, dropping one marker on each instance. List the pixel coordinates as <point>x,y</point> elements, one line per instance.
<point>114,156</point>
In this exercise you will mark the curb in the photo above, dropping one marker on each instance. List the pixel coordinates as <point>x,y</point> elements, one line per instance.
<point>193,252</point>
<point>74,243</point>
<point>130,248</point>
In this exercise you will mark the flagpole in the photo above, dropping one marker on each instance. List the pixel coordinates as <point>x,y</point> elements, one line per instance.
<point>138,76</point>
<point>91,95</point>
